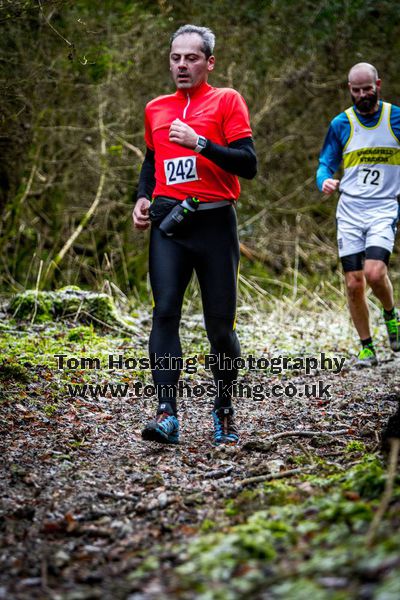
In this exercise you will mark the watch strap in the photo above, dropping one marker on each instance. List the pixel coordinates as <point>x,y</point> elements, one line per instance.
<point>201,143</point>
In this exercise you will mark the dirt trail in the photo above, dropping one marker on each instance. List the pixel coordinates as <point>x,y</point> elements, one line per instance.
<point>84,500</point>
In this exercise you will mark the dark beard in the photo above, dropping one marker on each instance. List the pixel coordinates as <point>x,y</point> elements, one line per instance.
<point>366,105</point>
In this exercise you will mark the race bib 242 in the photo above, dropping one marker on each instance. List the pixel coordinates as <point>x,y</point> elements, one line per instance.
<point>180,170</point>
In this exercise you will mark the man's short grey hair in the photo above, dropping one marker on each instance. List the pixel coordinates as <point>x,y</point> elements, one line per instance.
<point>205,33</point>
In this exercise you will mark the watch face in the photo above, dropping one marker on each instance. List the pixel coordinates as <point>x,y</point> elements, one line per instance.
<point>202,142</point>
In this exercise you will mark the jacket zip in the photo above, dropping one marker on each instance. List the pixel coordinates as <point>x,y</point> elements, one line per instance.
<point>186,107</point>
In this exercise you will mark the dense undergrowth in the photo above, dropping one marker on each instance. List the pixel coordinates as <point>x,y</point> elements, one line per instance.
<point>75,82</point>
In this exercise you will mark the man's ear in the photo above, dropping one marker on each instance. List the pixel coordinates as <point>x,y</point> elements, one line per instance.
<point>211,63</point>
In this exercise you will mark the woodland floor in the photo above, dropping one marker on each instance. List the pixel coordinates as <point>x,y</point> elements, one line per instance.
<point>89,510</point>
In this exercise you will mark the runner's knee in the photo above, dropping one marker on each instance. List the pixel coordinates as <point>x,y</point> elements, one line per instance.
<point>165,324</point>
<point>375,274</point>
<point>355,284</point>
<point>220,333</point>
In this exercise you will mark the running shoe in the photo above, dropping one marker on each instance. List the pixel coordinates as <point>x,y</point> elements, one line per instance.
<point>225,430</point>
<point>366,358</point>
<point>393,329</point>
<point>164,428</point>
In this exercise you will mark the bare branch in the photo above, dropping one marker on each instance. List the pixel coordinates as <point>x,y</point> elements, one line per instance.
<point>51,26</point>
<point>271,476</point>
<point>134,149</point>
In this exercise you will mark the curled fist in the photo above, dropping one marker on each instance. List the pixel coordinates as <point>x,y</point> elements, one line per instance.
<point>181,133</point>
<point>140,215</point>
<point>329,186</point>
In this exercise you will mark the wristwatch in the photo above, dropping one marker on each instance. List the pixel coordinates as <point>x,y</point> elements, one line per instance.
<point>201,143</point>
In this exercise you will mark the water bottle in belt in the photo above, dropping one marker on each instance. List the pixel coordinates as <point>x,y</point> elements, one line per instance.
<point>180,213</point>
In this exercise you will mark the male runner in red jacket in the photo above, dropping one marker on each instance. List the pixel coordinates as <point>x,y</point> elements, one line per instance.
<point>198,142</point>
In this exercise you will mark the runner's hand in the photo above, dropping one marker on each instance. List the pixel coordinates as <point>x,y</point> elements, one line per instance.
<point>329,186</point>
<point>181,133</point>
<point>140,215</point>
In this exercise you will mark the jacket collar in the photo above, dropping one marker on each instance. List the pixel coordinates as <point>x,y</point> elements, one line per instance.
<point>200,90</point>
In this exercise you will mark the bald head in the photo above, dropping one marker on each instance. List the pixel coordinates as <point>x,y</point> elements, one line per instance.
<point>364,87</point>
<point>363,69</point>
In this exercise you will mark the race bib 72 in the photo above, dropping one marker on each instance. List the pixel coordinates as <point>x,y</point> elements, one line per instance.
<point>370,178</point>
<point>180,170</point>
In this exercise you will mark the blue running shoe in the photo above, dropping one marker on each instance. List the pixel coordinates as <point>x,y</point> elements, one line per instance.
<point>225,430</point>
<point>164,428</point>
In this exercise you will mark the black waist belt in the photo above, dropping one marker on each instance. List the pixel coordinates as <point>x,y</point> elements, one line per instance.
<point>202,205</point>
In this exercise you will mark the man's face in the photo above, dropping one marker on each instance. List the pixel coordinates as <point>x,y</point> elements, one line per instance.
<point>188,63</point>
<point>364,90</point>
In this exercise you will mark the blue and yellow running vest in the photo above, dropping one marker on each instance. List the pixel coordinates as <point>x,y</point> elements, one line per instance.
<point>371,158</point>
